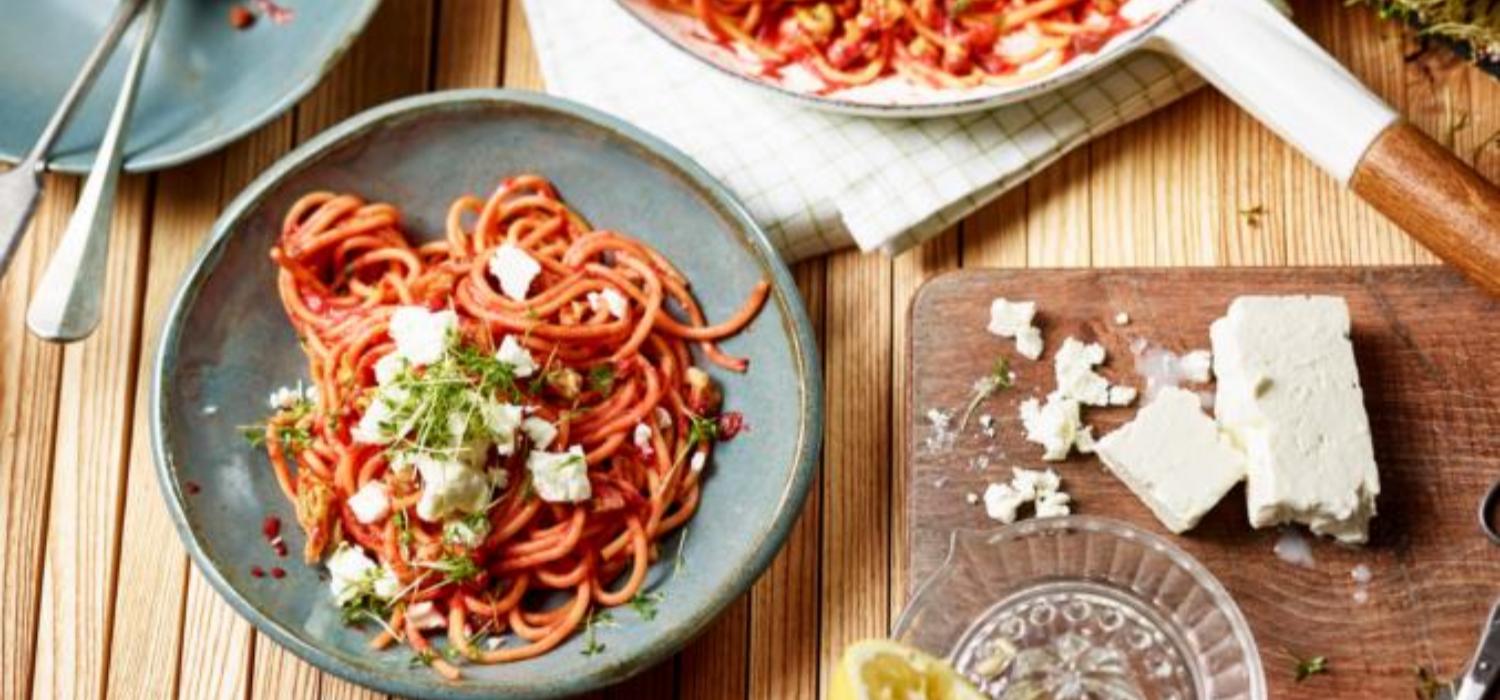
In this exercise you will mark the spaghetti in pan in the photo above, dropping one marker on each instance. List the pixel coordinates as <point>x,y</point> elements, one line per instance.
<point>938,43</point>
<point>502,425</point>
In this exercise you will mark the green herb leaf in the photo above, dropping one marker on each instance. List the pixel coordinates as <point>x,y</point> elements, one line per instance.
<point>254,434</point>
<point>602,379</point>
<point>455,568</point>
<point>421,658</point>
<point>1308,667</point>
<point>702,430</point>
<point>645,604</point>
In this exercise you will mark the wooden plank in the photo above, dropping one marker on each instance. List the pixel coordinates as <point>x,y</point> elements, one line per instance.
<point>29,380</point>
<point>88,468</point>
<point>1057,214</point>
<point>717,664</point>
<point>216,646</point>
<point>856,476</point>
<point>785,632</point>
<point>1418,333</point>
<point>151,576</point>
<point>470,41</point>
<point>521,67</point>
<point>995,236</point>
<point>908,272</point>
<point>279,674</point>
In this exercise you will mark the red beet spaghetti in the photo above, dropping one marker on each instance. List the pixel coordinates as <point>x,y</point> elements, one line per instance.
<point>502,424</point>
<point>941,43</point>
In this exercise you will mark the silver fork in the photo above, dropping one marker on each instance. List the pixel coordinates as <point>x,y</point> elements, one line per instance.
<point>21,185</point>
<point>67,301</point>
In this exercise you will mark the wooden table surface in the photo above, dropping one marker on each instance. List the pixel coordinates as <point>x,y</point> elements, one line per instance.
<point>98,598</point>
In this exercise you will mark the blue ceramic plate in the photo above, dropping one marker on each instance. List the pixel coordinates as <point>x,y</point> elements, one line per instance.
<point>206,83</point>
<point>227,344</point>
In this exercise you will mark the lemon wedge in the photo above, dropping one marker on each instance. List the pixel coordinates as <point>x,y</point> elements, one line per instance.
<point>880,669</point>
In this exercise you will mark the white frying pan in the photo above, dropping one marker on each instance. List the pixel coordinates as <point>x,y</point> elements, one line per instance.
<point>1255,55</point>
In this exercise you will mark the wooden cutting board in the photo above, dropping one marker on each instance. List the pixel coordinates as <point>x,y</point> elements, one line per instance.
<point>1428,348</point>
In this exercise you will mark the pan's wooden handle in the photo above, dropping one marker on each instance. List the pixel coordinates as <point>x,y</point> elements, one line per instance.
<point>1437,198</point>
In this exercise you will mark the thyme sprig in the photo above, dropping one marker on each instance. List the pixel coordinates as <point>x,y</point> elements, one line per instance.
<point>1000,377</point>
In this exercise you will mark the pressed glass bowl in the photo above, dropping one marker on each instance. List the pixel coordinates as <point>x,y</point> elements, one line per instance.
<point>1080,608</point>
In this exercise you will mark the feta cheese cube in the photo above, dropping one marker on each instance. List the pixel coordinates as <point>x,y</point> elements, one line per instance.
<point>378,425</point>
<point>422,336</point>
<point>539,432</point>
<point>1003,502</point>
<point>1035,482</point>
<point>1008,318</point>
<point>1173,458</point>
<point>1029,343</point>
<point>370,503</point>
<point>425,616</point>
<point>512,353</point>
<point>560,477</point>
<point>501,420</point>
<point>1289,395</point>
<point>285,397</point>
<point>449,485</point>
<point>698,461</point>
<point>352,573</point>
<point>642,438</point>
<point>389,367</point>
<point>515,269</point>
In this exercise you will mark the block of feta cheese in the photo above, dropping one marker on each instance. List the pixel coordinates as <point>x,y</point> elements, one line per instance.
<point>1173,458</point>
<point>1289,395</point>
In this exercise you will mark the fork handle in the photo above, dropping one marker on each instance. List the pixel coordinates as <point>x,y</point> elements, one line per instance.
<point>68,300</point>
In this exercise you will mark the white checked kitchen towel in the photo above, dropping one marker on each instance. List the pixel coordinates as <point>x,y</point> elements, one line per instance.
<point>819,181</point>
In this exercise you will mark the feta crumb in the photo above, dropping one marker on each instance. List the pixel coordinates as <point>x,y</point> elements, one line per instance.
<point>560,477</point>
<point>987,425</point>
<point>1053,505</point>
<point>1121,395</point>
<point>642,438</point>
<point>539,432</point>
<point>425,616</point>
<point>699,460</point>
<point>448,486</point>
<point>492,643</point>
<point>1009,318</point>
<point>388,368</point>
<point>1196,366</point>
<point>285,397</point>
<point>1029,343</point>
<point>376,426</point>
<point>501,420</point>
<point>971,497</point>
<point>1073,367</point>
<point>210,410</point>
<point>1035,482</point>
<point>663,419</point>
<point>608,300</point>
<point>423,336</point>
<point>1122,319</point>
<point>1084,441</point>
<point>942,436</point>
<point>370,503</point>
<point>1002,502</point>
<point>1053,425</point>
<point>352,572</point>
<point>512,353</point>
<point>515,269</point>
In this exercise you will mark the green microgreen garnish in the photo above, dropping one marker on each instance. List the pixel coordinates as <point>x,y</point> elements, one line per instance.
<point>602,379</point>
<point>421,658</point>
<point>468,531</point>
<point>591,643</point>
<point>1308,667</point>
<point>455,568</point>
<point>1000,377</point>
<point>645,604</point>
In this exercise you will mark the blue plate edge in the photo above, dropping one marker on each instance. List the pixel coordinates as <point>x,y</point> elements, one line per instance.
<point>784,292</point>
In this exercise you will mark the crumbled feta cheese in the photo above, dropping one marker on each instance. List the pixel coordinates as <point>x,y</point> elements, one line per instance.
<point>1003,502</point>
<point>449,486</point>
<point>971,497</point>
<point>501,420</point>
<point>499,478</point>
<point>663,419</point>
<point>1173,458</point>
<point>1013,319</point>
<point>389,367</point>
<point>425,616</point>
<point>1289,394</point>
<point>560,477</point>
<point>1122,319</point>
<point>423,336</point>
<point>1053,505</point>
<point>469,532</point>
<point>608,300</point>
<point>698,461</point>
<point>493,643</point>
<point>285,397</point>
<point>1007,318</point>
<point>1084,440</point>
<point>1053,425</point>
<point>1035,482</point>
<point>512,353</point>
<point>1029,343</point>
<point>351,573</point>
<point>642,438</point>
<point>1196,366</point>
<point>370,503</point>
<point>987,425</point>
<point>515,269</point>
<point>942,436</point>
<point>539,432</point>
<point>1073,366</point>
<point>377,425</point>
<point>1121,395</point>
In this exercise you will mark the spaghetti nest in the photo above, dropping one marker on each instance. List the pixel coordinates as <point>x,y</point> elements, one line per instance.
<point>941,43</point>
<point>503,423</point>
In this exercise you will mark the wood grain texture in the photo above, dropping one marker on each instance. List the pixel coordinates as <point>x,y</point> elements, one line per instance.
<point>88,468</point>
<point>1460,219</point>
<point>1420,338</point>
<point>30,372</point>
